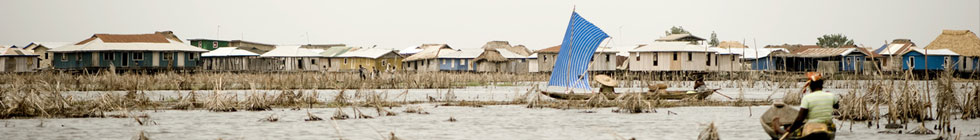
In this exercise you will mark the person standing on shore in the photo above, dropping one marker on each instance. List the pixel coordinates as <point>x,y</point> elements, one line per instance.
<point>360,69</point>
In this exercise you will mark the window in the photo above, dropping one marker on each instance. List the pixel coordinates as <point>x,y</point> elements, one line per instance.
<point>443,61</point>
<point>138,56</point>
<point>545,57</point>
<point>464,61</point>
<point>675,56</point>
<point>945,61</point>
<point>345,60</point>
<point>167,56</point>
<point>46,56</point>
<point>708,62</point>
<point>638,56</point>
<point>313,61</point>
<point>192,56</point>
<point>607,57</point>
<point>847,61</point>
<point>655,59</point>
<point>78,57</point>
<point>108,56</point>
<point>454,61</point>
<point>690,56</point>
<point>64,57</point>
<point>911,62</point>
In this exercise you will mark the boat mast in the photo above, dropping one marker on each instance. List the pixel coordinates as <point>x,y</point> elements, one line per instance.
<point>568,65</point>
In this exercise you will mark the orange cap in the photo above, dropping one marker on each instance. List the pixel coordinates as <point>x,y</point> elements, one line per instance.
<point>813,76</point>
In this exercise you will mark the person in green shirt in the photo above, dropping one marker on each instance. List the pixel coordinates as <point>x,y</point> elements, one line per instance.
<point>816,110</point>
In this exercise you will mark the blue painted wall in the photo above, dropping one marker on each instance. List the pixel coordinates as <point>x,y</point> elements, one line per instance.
<point>455,64</point>
<point>918,60</point>
<point>761,63</point>
<point>852,63</point>
<point>73,62</point>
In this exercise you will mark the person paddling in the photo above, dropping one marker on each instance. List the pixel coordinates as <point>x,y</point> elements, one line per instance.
<point>816,111</point>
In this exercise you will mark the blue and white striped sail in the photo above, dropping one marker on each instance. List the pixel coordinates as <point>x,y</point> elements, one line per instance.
<point>581,40</point>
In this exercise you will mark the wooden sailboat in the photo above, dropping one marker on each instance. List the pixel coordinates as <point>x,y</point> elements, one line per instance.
<point>581,40</point>
<point>655,92</point>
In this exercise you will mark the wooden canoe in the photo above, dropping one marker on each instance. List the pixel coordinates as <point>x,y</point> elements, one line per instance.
<point>786,117</point>
<point>669,95</point>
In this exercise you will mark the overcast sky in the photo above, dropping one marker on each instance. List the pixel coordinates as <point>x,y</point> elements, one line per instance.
<point>470,23</point>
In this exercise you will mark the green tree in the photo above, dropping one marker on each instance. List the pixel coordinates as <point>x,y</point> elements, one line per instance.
<point>834,41</point>
<point>676,30</point>
<point>714,39</point>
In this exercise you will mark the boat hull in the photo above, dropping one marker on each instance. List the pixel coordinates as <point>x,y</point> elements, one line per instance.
<point>669,95</point>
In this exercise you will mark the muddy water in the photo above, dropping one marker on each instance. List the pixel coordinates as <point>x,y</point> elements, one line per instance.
<point>489,122</point>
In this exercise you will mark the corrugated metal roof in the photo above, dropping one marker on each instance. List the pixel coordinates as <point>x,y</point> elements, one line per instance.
<point>430,52</point>
<point>935,52</point>
<point>749,53</point>
<point>508,54</point>
<point>825,52</point>
<point>462,53</point>
<point>292,51</point>
<point>50,45</point>
<point>410,50</point>
<point>14,51</point>
<point>671,47</point>
<point>893,49</point>
<point>335,51</point>
<point>228,51</point>
<point>144,42</point>
<point>373,53</point>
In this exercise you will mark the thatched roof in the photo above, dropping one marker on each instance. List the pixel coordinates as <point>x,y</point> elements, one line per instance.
<point>962,42</point>
<point>490,55</point>
<point>519,49</point>
<point>731,44</point>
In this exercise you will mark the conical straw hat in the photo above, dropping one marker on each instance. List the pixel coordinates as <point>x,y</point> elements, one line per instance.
<point>606,80</point>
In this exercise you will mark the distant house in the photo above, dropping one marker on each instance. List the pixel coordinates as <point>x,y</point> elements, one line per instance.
<point>963,42</point>
<point>604,59</point>
<point>458,60</point>
<point>532,62</point>
<point>727,59</point>
<point>211,44</point>
<point>500,56</point>
<point>13,59</point>
<point>922,59</point>
<point>758,58</point>
<point>290,58</point>
<point>411,50</point>
<point>425,60</point>
<point>671,56</point>
<point>731,44</point>
<point>41,49</point>
<point>228,59</point>
<point>891,54</point>
<point>160,50</point>
<point>370,59</point>
<point>502,60</point>
<point>335,63</point>
<point>830,60</point>
<point>693,40</point>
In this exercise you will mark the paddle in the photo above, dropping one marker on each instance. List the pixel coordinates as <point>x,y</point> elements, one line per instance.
<point>726,96</point>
